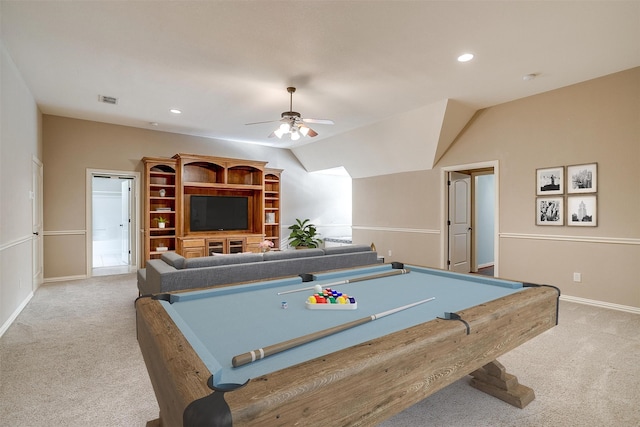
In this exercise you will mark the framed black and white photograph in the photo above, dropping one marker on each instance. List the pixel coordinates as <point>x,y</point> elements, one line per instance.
<point>550,211</point>
<point>582,178</point>
<point>550,181</point>
<point>582,210</point>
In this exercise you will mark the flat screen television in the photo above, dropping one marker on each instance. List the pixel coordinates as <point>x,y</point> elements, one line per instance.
<point>219,213</point>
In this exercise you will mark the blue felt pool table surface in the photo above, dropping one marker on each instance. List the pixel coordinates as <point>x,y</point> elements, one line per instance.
<point>221,323</point>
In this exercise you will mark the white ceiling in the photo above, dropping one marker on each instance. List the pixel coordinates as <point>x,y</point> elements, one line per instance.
<point>227,63</point>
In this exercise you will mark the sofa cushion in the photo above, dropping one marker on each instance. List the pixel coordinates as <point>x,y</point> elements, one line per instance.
<point>173,259</point>
<point>292,253</point>
<point>346,249</point>
<point>212,261</point>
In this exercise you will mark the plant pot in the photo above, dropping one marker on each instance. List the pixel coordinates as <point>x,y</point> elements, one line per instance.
<point>302,247</point>
<point>161,224</point>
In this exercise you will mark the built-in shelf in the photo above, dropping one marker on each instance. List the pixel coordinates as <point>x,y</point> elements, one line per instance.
<point>272,178</point>
<point>170,183</point>
<point>160,202</point>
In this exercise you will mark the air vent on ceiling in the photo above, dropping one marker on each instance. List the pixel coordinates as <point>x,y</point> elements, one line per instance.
<point>108,99</point>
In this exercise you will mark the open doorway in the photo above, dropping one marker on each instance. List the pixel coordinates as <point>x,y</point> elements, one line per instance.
<point>471,218</point>
<point>112,216</point>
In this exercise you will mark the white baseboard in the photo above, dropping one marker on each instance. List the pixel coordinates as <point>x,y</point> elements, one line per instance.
<point>65,278</point>
<point>15,314</point>
<point>602,304</point>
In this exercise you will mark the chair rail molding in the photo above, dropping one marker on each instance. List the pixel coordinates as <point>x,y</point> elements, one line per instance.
<point>566,238</point>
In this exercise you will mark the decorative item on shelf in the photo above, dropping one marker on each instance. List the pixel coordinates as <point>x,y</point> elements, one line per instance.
<point>162,221</point>
<point>162,249</point>
<point>162,192</point>
<point>265,245</point>
<point>304,235</point>
<point>270,217</point>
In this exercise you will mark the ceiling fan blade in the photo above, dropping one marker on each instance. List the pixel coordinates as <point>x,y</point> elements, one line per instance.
<point>319,121</point>
<point>259,123</point>
<point>272,135</point>
<point>312,133</point>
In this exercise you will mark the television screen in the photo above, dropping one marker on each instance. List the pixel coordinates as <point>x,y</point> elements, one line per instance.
<point>218,213</point>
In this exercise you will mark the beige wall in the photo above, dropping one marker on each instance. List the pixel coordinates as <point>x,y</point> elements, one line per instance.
<point>72,146</point>
<point>595,121</point>
<point>397,213</point>
<point>20,143</point>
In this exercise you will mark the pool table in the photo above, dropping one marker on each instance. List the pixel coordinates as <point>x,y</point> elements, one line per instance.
<point>358,376</point>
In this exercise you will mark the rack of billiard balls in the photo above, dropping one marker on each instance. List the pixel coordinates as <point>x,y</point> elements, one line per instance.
<point>330,299</point>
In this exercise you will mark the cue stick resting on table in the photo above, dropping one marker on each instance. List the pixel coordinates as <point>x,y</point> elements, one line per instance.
<point>355,279</point>
<point>261,353</point>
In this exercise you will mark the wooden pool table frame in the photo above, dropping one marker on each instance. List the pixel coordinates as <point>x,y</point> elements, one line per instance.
<point>360,385</point>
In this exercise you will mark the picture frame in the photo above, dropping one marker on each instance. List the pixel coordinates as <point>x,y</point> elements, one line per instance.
<point>550,181</point>
<point>582,178</point>
<point>582,211</point>
<point>550,210</point>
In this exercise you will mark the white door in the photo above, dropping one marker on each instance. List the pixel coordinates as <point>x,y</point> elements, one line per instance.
<point>459,222</point>
<point>125,222</point>
<point>36,221</point>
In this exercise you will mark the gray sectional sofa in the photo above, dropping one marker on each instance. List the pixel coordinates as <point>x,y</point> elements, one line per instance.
<point>173,272</point>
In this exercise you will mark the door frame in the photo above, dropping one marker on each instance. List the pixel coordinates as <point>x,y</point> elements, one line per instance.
<point>135,214</point>
<point>36,195</point>
<point>128,220</point>
<point>444,203</point>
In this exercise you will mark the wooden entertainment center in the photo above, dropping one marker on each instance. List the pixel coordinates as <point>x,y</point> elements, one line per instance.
<point>170,183</point>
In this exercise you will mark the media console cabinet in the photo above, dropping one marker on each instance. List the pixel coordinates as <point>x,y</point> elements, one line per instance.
<point>170,183</point>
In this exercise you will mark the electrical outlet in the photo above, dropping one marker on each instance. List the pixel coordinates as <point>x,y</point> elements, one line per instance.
<point>577,277</point>
<point>389,252</point>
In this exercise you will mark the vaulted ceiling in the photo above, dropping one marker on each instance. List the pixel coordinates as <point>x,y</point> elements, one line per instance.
<point>367,65</point>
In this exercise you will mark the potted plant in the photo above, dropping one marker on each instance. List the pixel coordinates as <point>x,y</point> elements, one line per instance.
<point>162,221</point>
<point>303,235</point>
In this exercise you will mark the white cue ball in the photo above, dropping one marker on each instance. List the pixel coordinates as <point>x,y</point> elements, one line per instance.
<point>317,288</point>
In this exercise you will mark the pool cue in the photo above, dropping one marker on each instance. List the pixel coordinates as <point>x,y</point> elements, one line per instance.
<point>357,279</point>
<point>261,353</point>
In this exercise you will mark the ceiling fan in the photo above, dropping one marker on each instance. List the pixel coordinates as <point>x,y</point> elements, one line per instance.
<point>293,124</point>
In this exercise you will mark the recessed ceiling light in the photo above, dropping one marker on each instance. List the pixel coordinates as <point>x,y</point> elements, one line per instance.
<point>175,111</point>
<point>529,76</point>
<point>465,57</point>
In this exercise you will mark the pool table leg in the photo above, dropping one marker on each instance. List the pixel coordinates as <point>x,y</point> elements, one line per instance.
<point>493,379</point>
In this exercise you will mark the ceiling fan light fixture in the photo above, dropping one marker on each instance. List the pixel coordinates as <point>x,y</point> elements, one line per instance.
<point>285,127</point>
<point>293,124</point>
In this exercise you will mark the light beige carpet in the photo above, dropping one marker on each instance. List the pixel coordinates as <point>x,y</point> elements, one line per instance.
<point>71,359</point>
